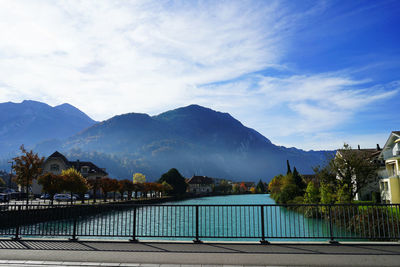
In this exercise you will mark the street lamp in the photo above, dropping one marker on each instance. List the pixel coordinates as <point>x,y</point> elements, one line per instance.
<point>9,180</point>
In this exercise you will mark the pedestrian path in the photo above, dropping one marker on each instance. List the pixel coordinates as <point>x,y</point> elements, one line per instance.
<point>48,253</point>
<point>19,263</point>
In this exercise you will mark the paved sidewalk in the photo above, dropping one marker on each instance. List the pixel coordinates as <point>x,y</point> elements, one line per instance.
<point>112,253</point>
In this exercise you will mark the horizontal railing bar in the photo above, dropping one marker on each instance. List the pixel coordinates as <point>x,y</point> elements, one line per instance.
<point>208,205</point>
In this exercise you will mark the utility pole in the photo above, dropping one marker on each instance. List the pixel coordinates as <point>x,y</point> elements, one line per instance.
<point>12,166</point>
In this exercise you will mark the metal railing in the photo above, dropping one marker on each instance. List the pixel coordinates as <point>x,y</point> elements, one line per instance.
<point>202,222</point>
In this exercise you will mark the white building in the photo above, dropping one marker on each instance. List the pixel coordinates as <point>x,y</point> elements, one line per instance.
<point>390,183</point>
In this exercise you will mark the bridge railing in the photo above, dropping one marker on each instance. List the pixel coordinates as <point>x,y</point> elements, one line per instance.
<point>203,222</point>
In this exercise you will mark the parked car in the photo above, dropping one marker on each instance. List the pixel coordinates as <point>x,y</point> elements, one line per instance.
<point>45,196</point>
<point>64,197</point>
<point>6,194</point>
<point>4,197</point>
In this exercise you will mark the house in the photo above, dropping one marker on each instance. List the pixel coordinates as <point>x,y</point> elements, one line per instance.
<point>200,185</point>
<point>57,162</point>
<point>390,183</point>
<point>365,193</point>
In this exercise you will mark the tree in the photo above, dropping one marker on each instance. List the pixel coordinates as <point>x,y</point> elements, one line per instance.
<point>27,167</point>
<point>242,187</point>
<point>94,184</point>
<point>139,187</point>
<point>176,180</point>
<point>51,184</point>
<point>298,180</point>
<point>311,195</point>
<point>123,187</point>
<point>253,190</point>
<point>126,186</point>
<point>343,194</point>
<point>166,188</point>
<point>74,183</point>
<point>146,187</point>
<point>288,192</point>
<point>288,167</point>
<point>260,188</point>
<point>354,168</point>
<point>2,183</point>
<point>235,188</point>
<point>327,195</point>
<point>139,178</point>
<point>106,185</point>
<point>130,187</point>
<point>274,185</point>
<point>114,187</point>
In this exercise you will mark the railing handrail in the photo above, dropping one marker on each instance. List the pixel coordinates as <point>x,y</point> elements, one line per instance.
<point>200,205</point>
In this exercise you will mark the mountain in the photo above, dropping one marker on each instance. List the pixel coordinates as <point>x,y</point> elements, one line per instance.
<point>32,122</point>
<point>193,139</point>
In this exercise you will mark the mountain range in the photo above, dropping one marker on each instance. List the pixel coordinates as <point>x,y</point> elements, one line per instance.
<point>31,122</point>
<point>193,139</point>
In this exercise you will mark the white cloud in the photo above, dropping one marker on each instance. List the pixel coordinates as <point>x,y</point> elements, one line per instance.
<point>302,110</point>
<point>113,57</point>
<point>109,57</point>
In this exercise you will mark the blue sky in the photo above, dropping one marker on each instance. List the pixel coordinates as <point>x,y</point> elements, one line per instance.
<point>308,74</point>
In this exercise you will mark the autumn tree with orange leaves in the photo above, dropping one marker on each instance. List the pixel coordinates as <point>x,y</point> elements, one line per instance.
<point>27,167</point>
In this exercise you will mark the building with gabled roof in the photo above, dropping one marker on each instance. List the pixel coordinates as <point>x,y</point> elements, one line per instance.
<point>200,185</point>
<point>390,185</point>
<point>57,162</point>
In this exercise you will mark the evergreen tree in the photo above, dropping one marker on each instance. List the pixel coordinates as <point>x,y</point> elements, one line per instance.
<point>176,180</point>
<point>260,188</point>
<point>298,180</point>
<point>288,167</point>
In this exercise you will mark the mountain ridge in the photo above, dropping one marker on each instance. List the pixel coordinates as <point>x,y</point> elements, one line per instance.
<point>193,139</point>
<point>31,122</point>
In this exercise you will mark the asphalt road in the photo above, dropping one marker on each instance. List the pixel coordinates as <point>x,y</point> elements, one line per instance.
<point>233,254</point>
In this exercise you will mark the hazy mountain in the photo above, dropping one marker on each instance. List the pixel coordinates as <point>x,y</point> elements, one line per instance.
<point>31,122</point>
<point>193,139</point>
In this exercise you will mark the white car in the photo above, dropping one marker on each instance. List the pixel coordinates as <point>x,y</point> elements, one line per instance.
<point>64,197</point>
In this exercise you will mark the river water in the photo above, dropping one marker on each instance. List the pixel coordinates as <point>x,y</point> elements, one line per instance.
<point>233,217</point>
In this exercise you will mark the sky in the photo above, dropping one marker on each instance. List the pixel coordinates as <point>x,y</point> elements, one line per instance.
<point>305,74</point>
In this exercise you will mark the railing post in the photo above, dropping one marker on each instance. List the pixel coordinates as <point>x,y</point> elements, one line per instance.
<point>74,238</point>
<point>263,241</point>
<point>332,240</point>
<point>17,237</point>
<point>197,240</point>
<point>133,239</point>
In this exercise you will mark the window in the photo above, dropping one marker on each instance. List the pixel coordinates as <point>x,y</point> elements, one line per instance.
<point>54,168</point>
<point>84,169</point>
